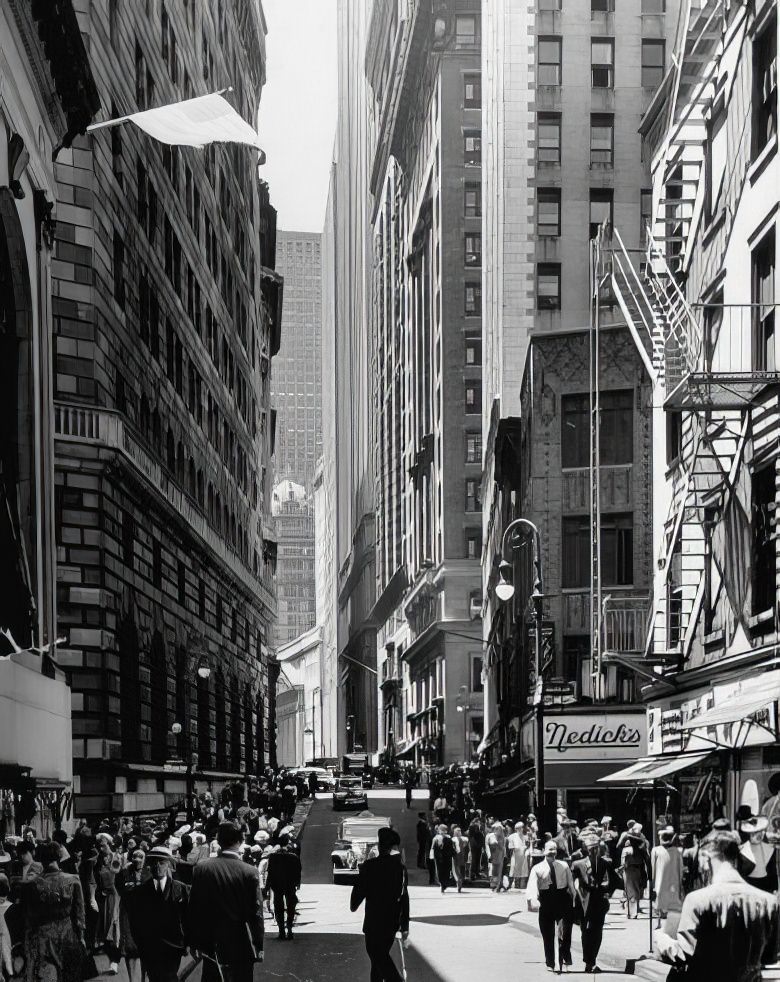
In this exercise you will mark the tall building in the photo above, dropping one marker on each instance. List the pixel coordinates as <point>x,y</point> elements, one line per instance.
<point>565,88</point>
<point>704,304</point>
<point>423,65</point>
<point>296,381</point>
<point>166,317</point>
<point>353,446</point>
<point>49,97</point>
<point>292,508</point>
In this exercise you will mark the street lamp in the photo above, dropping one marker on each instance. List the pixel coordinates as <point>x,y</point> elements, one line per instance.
<point>202,671</point>
<point>461,707</point>
<point>505,590</point>
<point>309,731</point>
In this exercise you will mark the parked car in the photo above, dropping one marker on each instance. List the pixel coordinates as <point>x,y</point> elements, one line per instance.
<point>349,793</point>
<point>357,842</point>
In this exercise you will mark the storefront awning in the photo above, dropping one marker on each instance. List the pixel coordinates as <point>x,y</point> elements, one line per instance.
<point>739,708</point>
<point>649,769</point>
<point>408,750</point>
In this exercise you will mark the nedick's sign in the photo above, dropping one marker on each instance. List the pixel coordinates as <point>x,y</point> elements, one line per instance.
<point>595,737</point>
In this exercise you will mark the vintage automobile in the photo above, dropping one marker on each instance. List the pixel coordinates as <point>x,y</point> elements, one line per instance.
<point>325,779</point>
<point>356,843</point>
<point>349,793</point>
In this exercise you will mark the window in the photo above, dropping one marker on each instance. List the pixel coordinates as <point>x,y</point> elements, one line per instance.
<point>549,4</point>
<point>473,256</point>
<point>765,88</point>
<point>763,262</point>
<point>600,209</point>
<point>602,63</point>
<point>473,299</point>
<point>548,286</point>
<point>715,162</point>
<point>602,139</point>
<point>548,211</point>
<point>653,6</point>
<point>117,165</point>
<point>617,553</point>
<point>473,396</point>
<point>472,494</point>
<point>474,448</point>
<point>128,538</point>
<point>616,438</point>
<point>763,573</point>
<point>181,583</point>
<point>549,59</point>
<point>472,148</point>
<point>548,138</point>
<point>201,599</point>
<point>466,31</point>
<point>472,200</point>
<point>156,563</point>
<point>119,269</point>
<point>476,673</point>
<point>472,91</point>
<point>473,543</point>
<point>645,213</point>
<point>653,57</point>
<point>673,436</point>
<point>602,6</point>
<point>474,351</point>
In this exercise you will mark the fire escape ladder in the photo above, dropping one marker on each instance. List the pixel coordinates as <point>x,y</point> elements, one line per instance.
<point>645,326</point>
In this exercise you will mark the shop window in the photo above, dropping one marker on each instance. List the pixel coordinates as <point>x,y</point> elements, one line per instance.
<point>548,138</point>
<point>653,58</point>
<point>602,139</point>
<point>763,289</point>
<point>548,212</point>
<point>602,63</point>
<point>765,87</point>
<point>763,558</point>
<point>548,286</point>
<point>549,61</point>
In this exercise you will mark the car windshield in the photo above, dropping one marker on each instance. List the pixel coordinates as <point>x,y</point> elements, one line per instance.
<point>348,784</point>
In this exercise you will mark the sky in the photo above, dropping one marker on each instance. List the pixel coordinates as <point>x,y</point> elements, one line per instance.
<point>298,109</point>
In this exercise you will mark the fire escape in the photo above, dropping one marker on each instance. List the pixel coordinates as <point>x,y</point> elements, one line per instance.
<point>700,357</point>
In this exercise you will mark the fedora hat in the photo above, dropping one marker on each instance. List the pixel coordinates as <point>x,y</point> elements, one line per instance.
<point>161,852</point>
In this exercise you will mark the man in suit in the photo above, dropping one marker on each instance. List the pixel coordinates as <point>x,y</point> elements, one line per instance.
<point>727,930</point>
<point>423,840</point>
<point>284,878</point>
<point>157,911</point>
<point>226,911</point>
<point>551,891</point>
<point>127,883</point>
<point>593,881</point>
<point>382,883</point>
<point>566,840</point>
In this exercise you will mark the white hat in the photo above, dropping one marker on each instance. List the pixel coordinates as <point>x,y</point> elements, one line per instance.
<point>174,843</point>
<point>105,837</point>
<point>161,852</point>
<point>184,830</point>
<point>261,836</point>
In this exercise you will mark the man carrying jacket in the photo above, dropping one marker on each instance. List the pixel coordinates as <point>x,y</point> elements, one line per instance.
<point>382,883</point>
<point>593,882</point>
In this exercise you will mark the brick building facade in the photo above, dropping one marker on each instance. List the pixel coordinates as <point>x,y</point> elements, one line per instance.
<point>166,315</point>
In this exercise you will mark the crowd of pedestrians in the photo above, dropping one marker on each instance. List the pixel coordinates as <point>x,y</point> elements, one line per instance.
<point>127,887</point>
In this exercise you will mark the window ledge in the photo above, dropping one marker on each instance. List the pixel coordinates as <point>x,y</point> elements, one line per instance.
<point>714,638</point>
<point>715,223</point>
<point>763,619</point>
<point>756,169</point>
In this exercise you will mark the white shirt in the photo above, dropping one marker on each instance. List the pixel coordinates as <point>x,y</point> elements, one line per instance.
<point>541,878</point>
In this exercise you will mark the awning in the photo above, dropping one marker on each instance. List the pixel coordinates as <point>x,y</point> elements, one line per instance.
<point>739,708</point>
<point>407,751</point>
<point>489,739</point>
<point>649,769</point>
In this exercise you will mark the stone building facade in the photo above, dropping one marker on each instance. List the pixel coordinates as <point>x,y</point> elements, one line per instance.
<point>166,316</point>
<point>293,519</point>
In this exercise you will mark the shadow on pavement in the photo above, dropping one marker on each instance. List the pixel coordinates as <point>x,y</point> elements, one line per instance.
<point>462,920</point>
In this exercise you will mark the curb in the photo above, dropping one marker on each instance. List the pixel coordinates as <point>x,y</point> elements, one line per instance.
<point>300,816</point>
<point>607,958</point>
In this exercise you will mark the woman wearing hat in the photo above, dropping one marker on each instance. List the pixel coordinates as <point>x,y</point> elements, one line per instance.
<point>667,865</point>
<point>635,861</point>
<point>757,857</point>
<point>518,864</point>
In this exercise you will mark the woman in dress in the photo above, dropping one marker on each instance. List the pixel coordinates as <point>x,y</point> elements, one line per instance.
<point>635,861</point>
<point>53,907</point>
<point>108,931</point>
<point>518,865</point>
<point>495,848</point>
<point>460,845</point>
<point>667,864</point>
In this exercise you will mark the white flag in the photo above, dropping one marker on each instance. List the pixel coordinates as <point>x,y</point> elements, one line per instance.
<point>192,123</point>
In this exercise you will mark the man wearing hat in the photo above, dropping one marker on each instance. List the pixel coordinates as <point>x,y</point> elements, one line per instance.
<point>593,881</point>
<point>284,879</point>
<point>127,882</point>
<point>566,840</point>
<point>226,911</point>
<point>382,883</point>
<point>157,912</point>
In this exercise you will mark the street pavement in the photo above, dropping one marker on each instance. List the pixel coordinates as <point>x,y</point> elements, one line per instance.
<point>453,937</point>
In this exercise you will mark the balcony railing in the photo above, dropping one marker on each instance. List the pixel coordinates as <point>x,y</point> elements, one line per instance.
<point>82,423</point>
<point>391,671</point>
<point>625,623</point>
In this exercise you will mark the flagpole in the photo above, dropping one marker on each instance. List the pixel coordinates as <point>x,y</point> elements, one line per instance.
<point>124,119</point>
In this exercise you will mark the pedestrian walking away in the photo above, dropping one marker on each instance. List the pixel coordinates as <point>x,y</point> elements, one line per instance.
<point>284,879</point>
<point>551,892</point>
<point>225,921</point>
<point>382,884</point>
<point>158,918</point>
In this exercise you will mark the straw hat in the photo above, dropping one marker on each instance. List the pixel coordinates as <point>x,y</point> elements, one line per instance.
<point>161,852</point>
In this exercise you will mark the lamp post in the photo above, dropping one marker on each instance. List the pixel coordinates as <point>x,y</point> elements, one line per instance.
<point>505,590</point>
<point>461,707</point>
<point>203,671</point>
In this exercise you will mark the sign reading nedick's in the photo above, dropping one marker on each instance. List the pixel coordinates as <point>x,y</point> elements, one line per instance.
<point>595,736</point>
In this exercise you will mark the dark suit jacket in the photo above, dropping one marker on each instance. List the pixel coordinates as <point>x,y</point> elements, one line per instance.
<point>157,920</point>
<point>284,872</point>
<point>382,883</point>
<point>226,909</point>
<point>594,883</point>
